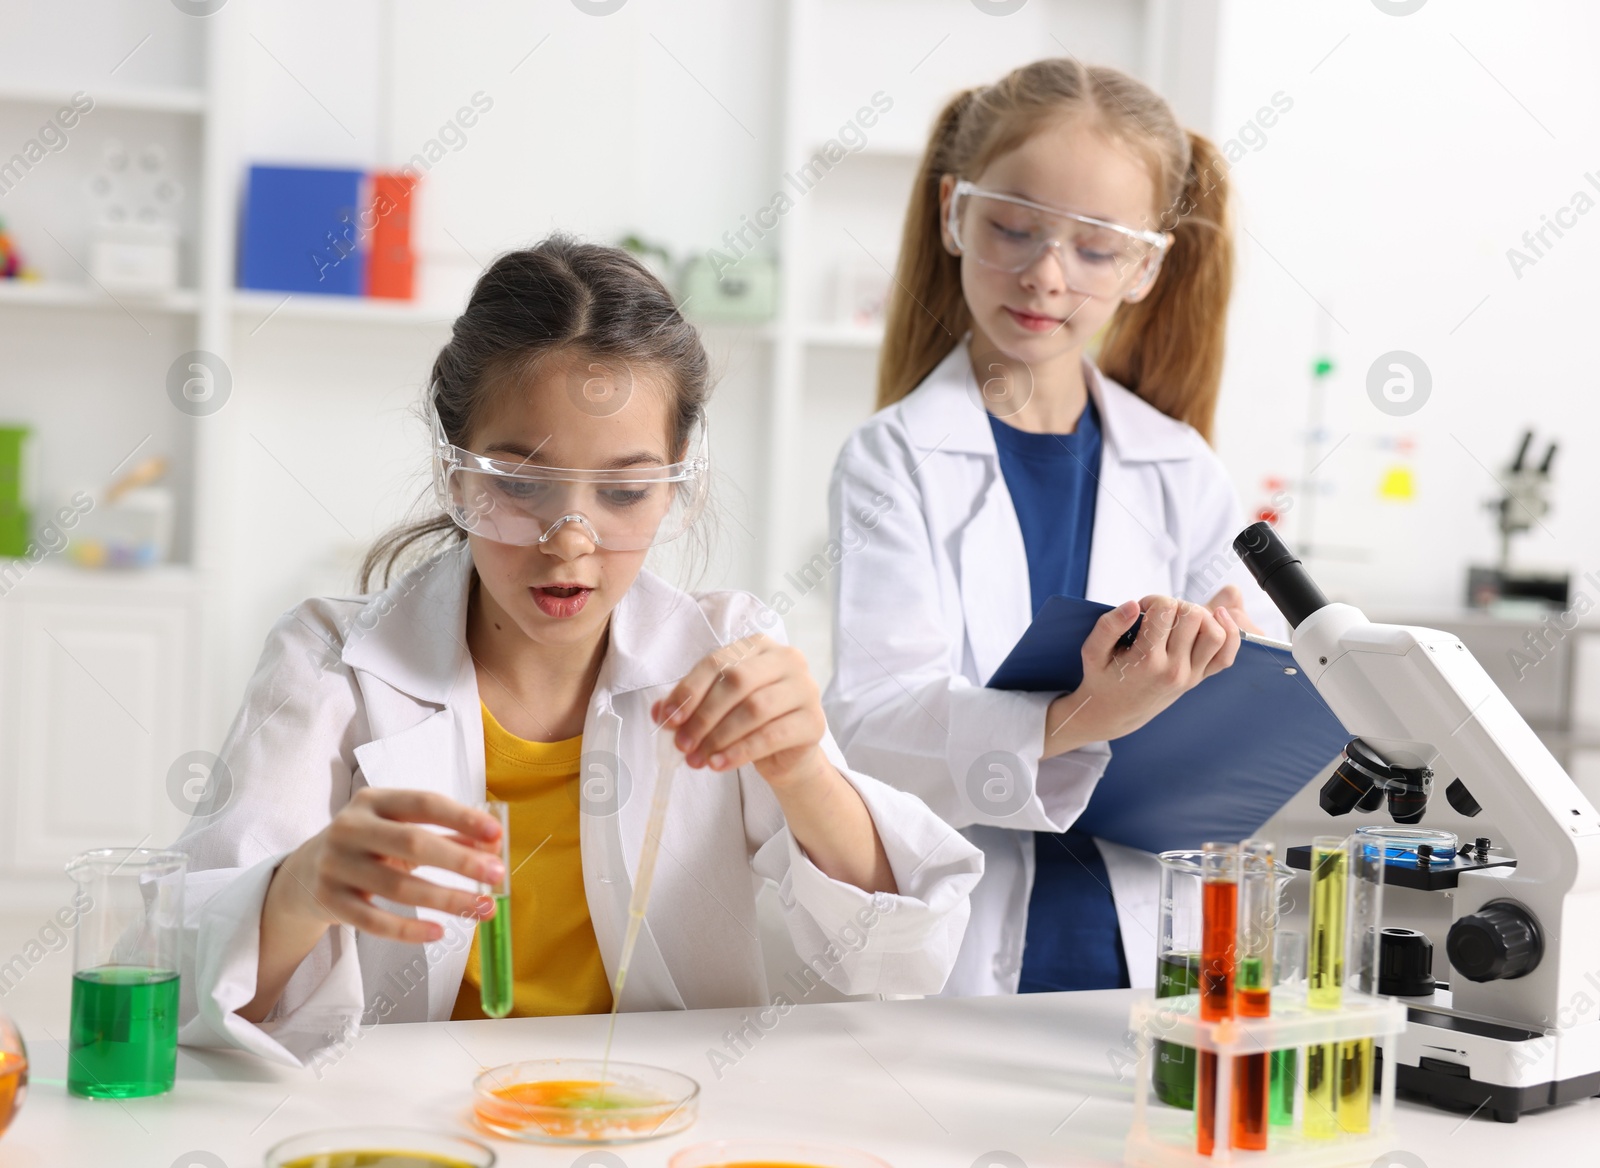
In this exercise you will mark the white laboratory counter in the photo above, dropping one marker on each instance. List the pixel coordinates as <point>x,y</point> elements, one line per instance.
<point>933,1083</point>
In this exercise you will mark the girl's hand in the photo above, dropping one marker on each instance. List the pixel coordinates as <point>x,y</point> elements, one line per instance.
<point>370,849</point>
<point>750,702</point>
<point>1230,598</point>
<point>1178,645</point>
<point>754,702</point>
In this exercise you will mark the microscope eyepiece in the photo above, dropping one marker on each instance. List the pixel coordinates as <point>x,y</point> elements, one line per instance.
<point>1279,572</point>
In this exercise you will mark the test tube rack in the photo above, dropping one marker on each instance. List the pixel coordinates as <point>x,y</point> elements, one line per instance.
<point>1164,1137</point>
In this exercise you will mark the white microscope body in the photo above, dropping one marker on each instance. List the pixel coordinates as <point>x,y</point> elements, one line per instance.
<point>1529,1034</point>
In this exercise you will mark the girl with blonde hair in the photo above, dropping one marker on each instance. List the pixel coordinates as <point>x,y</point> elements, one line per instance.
<point>1062,204</point>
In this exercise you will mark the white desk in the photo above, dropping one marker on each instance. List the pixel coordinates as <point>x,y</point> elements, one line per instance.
<point>923,1084</point>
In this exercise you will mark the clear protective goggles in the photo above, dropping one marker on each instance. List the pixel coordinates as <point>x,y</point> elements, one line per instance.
<point>1098,258</point>
<point>518,502</point>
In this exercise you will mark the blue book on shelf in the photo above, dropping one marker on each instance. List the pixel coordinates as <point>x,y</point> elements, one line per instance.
<point>299,231</point>
<point>1214,765</point>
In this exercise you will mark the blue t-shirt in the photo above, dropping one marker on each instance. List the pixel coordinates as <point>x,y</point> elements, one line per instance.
<point>1073,942</point>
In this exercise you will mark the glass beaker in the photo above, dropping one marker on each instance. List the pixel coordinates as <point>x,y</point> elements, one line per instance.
<point>1177,968</point>
<point>1178,963</point>
<point>124,1029</point>
<point>13,1072</point>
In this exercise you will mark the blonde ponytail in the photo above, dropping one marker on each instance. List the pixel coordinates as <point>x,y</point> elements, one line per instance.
<point>920,330</point>
<point>1168,347</point>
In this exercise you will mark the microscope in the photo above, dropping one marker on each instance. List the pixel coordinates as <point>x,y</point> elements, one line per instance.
<point>1524,502</point>
<point>1518,1028</point>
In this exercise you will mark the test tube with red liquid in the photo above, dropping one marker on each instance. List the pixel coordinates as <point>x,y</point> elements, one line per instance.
<point>1219,929</point>
<point>1258,925</point>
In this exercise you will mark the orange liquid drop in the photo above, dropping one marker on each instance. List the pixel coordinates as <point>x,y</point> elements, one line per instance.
<point>572,1107</point>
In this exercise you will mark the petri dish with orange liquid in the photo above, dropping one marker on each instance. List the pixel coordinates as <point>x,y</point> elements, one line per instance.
<point>768,1153</point>
<point>576,1101</point>
<point>379,1147</point>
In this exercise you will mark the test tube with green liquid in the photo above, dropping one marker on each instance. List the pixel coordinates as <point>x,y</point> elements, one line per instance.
<point>1288,969</point>
<point>494,934</point>
<point>1325,981</point>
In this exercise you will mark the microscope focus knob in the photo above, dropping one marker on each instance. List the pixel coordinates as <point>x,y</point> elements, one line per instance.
<point>1500,940</point>
<point>1405,963</point>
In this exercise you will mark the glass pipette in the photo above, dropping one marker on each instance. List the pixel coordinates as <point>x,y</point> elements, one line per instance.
<point>668,759</point>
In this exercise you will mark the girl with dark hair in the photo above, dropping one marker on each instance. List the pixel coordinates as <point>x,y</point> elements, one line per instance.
<point>519,649</point>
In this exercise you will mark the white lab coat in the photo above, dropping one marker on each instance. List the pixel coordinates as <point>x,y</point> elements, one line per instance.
<point>932,593</point>
<point>379,691</point>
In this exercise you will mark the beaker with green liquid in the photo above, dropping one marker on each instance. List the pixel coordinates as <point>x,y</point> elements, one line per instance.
<point>124,1027</point>
<point>1177,969</point>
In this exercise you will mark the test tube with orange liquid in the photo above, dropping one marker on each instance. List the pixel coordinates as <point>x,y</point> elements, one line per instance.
<point>1258,924</point>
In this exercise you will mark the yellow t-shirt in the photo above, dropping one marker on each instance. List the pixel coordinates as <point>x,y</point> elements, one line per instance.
<point>555,960</point>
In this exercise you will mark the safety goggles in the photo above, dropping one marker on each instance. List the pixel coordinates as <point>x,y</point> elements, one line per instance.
<point>518,502</point>
<point>1099,258</point>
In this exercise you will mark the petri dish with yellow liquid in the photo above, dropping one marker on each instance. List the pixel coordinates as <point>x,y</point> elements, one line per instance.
<point>765,1153</point>
<point>379,1147</point>
<point>577,1101</point>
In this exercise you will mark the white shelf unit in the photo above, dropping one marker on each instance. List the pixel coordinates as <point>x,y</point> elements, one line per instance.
<point>103,683</point>
<point>153,99</point>
<point>60,294</point>
<point>255,307</point>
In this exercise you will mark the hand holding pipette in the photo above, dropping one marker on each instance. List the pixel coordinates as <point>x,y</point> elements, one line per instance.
<point>754,703</point>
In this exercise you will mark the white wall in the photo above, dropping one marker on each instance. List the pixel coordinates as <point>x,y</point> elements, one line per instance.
<point>1419,148</point>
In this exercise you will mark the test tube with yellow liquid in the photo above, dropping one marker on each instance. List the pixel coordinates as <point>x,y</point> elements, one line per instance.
<point>1364,912</point>
<point>1325,981</point>
<point>495,989</point>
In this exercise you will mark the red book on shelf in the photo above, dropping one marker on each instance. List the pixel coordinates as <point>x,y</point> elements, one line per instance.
<point>391,266</point>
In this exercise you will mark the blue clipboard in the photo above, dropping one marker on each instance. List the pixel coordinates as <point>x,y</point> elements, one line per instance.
<point>1214,765</point>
